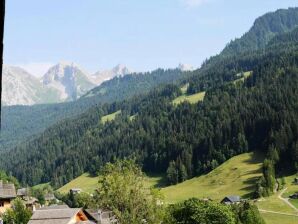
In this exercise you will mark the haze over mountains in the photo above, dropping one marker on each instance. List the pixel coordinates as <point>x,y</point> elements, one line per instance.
<point>63,82</point>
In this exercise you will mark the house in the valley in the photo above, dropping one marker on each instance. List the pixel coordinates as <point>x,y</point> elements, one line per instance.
<point>7,194</point>
<point>29,201</point>
<point>61,216</point>
<point>233,199</point>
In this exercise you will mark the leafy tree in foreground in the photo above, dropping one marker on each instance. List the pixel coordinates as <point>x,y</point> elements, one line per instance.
<point>247,213</point>
<point>122,190</point>
<point>19,214</point>
<point>194,211</point>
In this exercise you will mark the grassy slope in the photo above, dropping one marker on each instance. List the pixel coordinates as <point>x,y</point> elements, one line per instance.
<point>237,176</point>
<point>88,183</point>
<point>245,76</point>
<point>110,117</point>
<point>273,203</point>
<point>85,182</point>
<point>291,189</point>
<point>279,219</point>
<point>189,98</point>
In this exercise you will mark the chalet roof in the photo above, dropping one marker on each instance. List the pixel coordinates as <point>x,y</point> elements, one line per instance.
<point>54,207</point>
<point>233,198</point>
<point>53,216</point>
<point>7,191</point>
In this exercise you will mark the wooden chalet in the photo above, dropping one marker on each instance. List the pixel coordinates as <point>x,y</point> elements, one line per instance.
<point>7,194</point>
<point>233,199</point>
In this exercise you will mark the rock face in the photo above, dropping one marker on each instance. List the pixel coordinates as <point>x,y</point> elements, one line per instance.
<point>101,76</point>
<point>63,82</point>
<point>68,80</point>
<point>22,88</point>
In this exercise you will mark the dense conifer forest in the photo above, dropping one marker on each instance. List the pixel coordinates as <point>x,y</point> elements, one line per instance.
<point>22,122</point>
<point>255,113</point>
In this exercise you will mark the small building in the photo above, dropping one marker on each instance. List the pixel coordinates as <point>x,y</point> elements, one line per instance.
<point>233,199</point>
<point>61,216</point>
<point>7,194</point>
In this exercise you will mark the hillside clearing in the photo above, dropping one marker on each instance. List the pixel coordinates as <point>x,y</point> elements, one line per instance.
<point>89,183</point>
<point>237,176</point>
<point>110,117</point>
<point>192,99</point>
<point>85,182</point>
<point>273,218</point>
<point>243,75</point>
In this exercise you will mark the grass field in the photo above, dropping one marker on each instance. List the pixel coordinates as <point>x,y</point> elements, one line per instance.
<point>189,98</point>
<point>245,76</point>
<point>88,183</point>
<point>271,218</point>
<point>110,117</point>
<point>273,203</point>
<point>237,176</point>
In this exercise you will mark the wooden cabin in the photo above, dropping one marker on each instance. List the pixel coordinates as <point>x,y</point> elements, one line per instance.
<point>233,199</point>
<point>7,194</point>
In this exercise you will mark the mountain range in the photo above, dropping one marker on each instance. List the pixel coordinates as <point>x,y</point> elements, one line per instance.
<point>63,82</point>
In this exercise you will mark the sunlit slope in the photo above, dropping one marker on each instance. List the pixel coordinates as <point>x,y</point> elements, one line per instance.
<point>237,176</point>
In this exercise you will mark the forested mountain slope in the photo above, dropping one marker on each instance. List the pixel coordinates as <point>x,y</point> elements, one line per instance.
<point>263,30</point>
<point>22,122</point>
<point>185,140</point>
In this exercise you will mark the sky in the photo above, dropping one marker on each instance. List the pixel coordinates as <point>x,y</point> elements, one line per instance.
<point>141,34</point>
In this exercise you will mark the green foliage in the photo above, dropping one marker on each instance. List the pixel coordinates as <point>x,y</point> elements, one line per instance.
<point>8,179</point>
<point>264,29</point>
<point>78,200</point>
<point>19,214</point>
<point>194,211</point>
<point>122,191</point>
<point>247,213</point>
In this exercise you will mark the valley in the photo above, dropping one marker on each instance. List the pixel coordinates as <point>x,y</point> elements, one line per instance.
<point>218,144</point>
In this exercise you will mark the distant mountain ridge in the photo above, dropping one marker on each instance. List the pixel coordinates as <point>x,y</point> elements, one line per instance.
<point>65,81</point>
<point>20,87</point>
<point>263,30</point>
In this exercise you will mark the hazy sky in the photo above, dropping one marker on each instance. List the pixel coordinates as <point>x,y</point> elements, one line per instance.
<point>142,34</point>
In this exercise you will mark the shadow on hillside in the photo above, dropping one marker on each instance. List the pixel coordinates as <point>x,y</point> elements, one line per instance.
<point>257,157</point>
<point>161,180</point>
